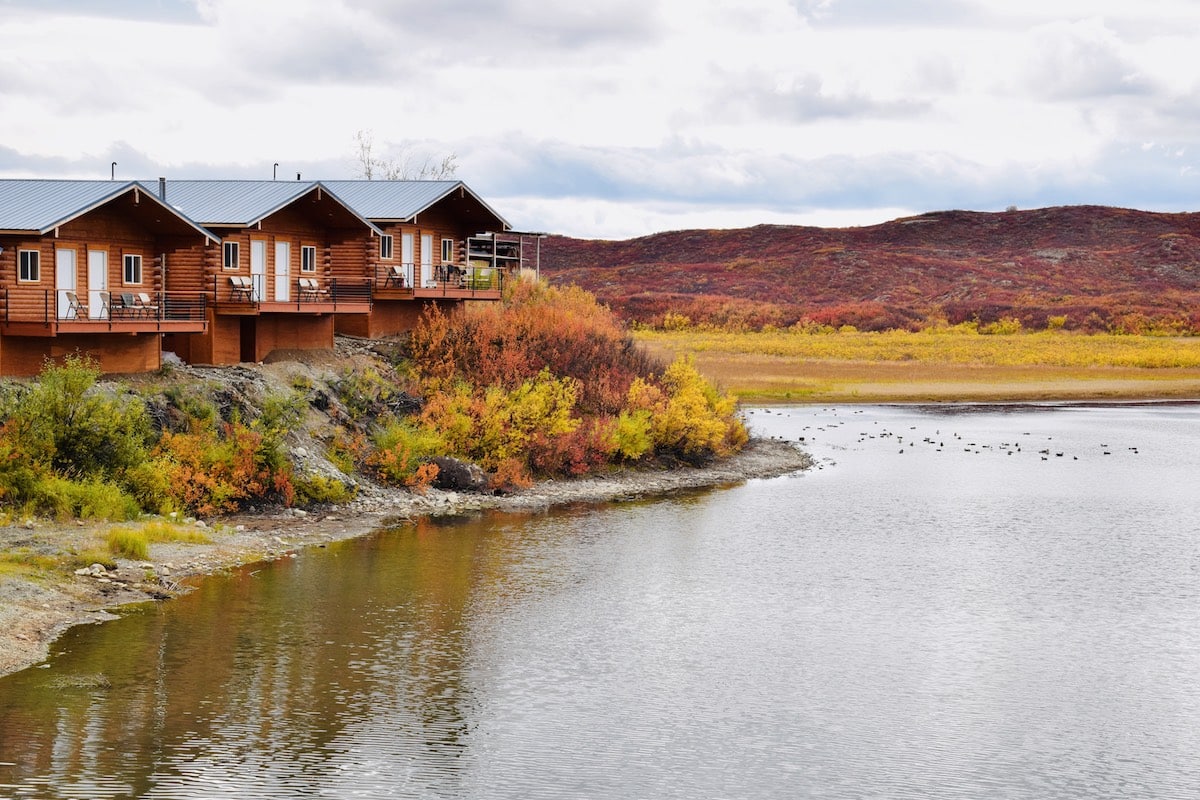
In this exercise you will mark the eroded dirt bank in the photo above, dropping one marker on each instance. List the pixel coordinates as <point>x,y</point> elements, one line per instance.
<point>34,612</point>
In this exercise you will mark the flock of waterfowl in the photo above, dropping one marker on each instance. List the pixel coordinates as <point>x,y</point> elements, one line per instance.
<point>907,441</point>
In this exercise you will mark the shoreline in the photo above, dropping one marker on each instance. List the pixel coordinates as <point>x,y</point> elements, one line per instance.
<point>34,613</point>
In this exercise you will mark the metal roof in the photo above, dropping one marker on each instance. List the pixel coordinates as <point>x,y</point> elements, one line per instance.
<point>400,200</point>
<point>240,203</point>
<point>229,203</point>
<point>42,205</point>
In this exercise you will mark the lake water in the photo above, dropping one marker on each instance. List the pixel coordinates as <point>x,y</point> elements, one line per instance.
<point>959,602</point>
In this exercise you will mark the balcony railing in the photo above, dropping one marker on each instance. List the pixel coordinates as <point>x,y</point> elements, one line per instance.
<point>431,280</point>
<point>248,293</point>
<point>102,308</point>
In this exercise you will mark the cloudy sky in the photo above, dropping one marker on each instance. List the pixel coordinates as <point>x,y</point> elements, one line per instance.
<point>624,117</point>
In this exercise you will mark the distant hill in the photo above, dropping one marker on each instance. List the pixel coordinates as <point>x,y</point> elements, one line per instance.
<point>1100,268</point>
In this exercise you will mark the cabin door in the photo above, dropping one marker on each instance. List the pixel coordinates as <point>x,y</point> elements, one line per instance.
<point>427,256</point>
<point>406,254</point>
<point>97,282</point>
<point>65,279</point>
<point>283,268</point>
<point>258,267</point>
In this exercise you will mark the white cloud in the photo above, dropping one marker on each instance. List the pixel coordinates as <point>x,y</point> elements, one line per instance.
<point>633,113</point>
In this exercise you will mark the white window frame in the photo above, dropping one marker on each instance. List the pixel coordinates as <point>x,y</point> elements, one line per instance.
<point>131,269</point>
<point>234,248</point>
<point>29,266</point>
<point>386,247</point>
<point>447,251</point>
<point>308,258</point>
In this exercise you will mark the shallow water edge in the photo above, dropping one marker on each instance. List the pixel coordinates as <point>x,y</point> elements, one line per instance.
<point>33,616</point>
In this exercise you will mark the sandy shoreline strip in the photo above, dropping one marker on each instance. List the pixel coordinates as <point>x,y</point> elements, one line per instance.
<point>33,614</point>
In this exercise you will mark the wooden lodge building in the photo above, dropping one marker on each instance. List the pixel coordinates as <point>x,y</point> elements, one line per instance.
<point>82,268</point>
<point>441,244</point>
<point>220,272</point>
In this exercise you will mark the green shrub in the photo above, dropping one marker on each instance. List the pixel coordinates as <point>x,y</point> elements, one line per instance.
<point>150,485</point>
<point>316,488</point>
<point>63,498</point>
<point>62,424</point>
<point>401,448</point>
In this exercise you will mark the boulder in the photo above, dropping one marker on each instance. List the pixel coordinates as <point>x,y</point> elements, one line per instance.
<point>459,476</point>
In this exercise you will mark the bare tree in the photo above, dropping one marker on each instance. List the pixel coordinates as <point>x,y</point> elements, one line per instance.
<point>406,164</point>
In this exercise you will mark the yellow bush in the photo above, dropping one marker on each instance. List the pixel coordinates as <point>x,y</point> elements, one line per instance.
<point>688,418</point>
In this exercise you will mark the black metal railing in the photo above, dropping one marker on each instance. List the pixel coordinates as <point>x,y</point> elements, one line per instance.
<point>104,307</point>
<point>249,291</point>
<point>394,276</point>
<point>444,279</point>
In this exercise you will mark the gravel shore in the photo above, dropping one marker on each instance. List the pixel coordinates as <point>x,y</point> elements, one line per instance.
<point>34,613</point>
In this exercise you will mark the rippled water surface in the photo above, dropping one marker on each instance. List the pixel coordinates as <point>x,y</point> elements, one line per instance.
<point>975,602</point>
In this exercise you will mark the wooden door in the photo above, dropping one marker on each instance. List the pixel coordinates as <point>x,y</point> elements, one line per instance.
<point>258,266</point>
<point>97,282</point>
<point>65,279</point>
<point>283,270</point>
<point>427,257</point>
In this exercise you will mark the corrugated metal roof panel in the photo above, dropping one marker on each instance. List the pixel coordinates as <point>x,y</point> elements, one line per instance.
<point>42,205</point>
<point>396,200</point>
<point>391,199</point>
<point>229,203</point>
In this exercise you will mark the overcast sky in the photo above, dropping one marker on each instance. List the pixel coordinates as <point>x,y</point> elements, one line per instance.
<point>625,117</point>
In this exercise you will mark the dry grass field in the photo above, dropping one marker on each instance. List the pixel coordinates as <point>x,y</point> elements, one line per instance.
<point>937,366</point>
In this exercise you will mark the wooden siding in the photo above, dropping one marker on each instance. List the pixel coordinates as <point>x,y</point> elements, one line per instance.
<point>390,317</point>
<point>116,355</point>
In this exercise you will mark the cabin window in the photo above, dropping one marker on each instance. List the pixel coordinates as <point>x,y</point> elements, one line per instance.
<point>231,255</point>
<point>385,246</point>
<point>447,251</point>
<point>308,258</point>
<point>133,269</point>
<point>30,262</point>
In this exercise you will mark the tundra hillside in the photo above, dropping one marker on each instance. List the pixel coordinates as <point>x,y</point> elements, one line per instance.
<point>1082,268</point>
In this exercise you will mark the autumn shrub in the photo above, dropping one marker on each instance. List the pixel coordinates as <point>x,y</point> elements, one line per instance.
<point>688,418</point>
<point>632,437</point>
<point>585,449</point>
<point>1005,326</point>
<point>347,450</point>
<point>401,448</point>
<point>537,327</point>
<point>493,424</point>
<point>216,468</point>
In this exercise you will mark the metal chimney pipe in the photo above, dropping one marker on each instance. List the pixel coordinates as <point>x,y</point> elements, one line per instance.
<point>162,189</point>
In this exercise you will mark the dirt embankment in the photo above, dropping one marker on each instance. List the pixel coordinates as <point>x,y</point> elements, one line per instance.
<point>33,612</point>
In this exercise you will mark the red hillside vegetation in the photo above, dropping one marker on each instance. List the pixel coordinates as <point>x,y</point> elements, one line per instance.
<point>1099,268</point>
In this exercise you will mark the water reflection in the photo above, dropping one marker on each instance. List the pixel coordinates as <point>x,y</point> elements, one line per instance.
<point>913,620</point>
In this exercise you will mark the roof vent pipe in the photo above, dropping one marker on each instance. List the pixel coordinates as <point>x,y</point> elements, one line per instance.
<point>297,176</point>
<point>162,189</point>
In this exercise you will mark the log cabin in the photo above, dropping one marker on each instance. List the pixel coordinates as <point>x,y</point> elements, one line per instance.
<point>292,258</point>
<point>84,269</point>
<point>441,244</point>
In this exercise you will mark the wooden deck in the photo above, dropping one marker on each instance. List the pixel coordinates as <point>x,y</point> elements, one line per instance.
<point>121,325</point>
